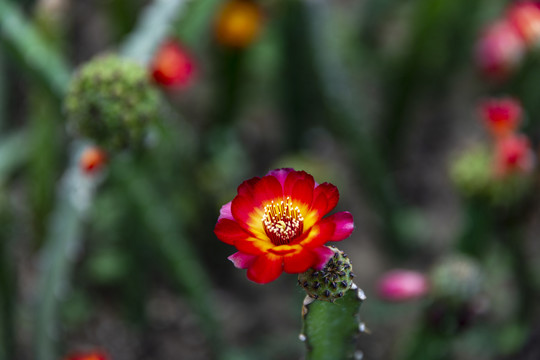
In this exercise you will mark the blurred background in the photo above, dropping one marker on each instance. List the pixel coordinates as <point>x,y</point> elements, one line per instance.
<point>114,251</point>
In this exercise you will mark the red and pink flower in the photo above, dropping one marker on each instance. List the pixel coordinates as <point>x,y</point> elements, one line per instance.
<point>501,116</point>
<point>277,224</point>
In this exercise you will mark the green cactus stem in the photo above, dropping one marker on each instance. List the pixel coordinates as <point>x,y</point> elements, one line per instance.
<point>330,329</point>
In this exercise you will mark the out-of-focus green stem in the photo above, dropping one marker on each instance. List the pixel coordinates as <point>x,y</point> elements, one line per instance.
<point>477,228</point>
<point>32,50</point>
<point>151,29</point>
<point>300,88</point>
<point>172,244</point>
<point>427,344</point>
<point>73,198</point>
<point>8,291</point>
<point>194,22</point>
<point>427,61</point>
<point>348,121</point>
<point>230,71</point>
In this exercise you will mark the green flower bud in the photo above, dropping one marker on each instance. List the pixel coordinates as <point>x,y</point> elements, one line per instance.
<point>472,172</point>
<point>456,279</point>
<point>331,282</point>
<point>111,101</point>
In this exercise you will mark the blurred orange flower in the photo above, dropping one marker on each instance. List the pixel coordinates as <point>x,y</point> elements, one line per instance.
<point>238,23</point>
<point>92,159</point>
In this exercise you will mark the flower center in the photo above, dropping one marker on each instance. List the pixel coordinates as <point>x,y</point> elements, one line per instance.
<point>282,222</point>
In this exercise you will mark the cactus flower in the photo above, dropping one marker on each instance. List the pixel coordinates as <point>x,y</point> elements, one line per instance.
<point>92,160</point>
<point>499,50</point>
<point>501,116</point>
<point>90,355</point>
<point>513,154</point>
<point>402,285</point>
<point>172,66</point>
<point>525,17</point>
<point>238,23</point>
<point>277,224</point>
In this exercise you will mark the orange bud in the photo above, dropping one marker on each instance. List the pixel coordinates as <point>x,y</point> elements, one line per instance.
<point>238,23</point>
<point>92,159</point>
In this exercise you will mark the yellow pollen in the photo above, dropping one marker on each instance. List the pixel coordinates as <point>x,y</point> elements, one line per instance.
<point>282,222</point>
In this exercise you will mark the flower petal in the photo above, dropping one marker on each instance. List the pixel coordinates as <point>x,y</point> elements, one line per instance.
<point>332,196</point>
<point>248,215</point>
<point>266,190</point>
<point>246,188</point>
<point>241,260</point>
<point>344,225</point>
<point>299,187</point>
<point>323,253</point>
<point>280,174</point>
<point>252,245</point>
<point>225,212</point>
<point>229,231</point>
<point>318,235</point>
<point>299,262</point>
<point>265,268</point>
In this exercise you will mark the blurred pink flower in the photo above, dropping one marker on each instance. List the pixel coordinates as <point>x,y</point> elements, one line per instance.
<point>513,154</point>
<point>501,116</point>
<point>525,17</point>
<point>499,50</point>
<point>402,285</point>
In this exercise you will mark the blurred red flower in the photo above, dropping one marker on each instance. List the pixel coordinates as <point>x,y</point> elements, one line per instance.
<point>89,355</point>
<point>172,66</point>
<point>502,116</point>
<point>499,50</point>
<point>513,154</point>
<point>276,223</point>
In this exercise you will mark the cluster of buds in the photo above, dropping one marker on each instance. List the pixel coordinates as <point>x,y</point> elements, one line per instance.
<point>111,102</point>
<point>457,297</point>
<point>503,43</point>
<point>332,281</point>
<point>502,170</point>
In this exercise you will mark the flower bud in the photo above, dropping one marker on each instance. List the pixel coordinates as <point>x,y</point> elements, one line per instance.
<point>110,100</point>
<point>456,279</point>
<point>238,23</point>
<point>513,155</point>
<point>172,66</point>
<point>501,116</point>
<point>402,285</point>
<point>499,50</point>
<point>92,160</point>
<point>471,171</point>
<point>332,281</point>
<point>88,355</point>
<point>525,17</point>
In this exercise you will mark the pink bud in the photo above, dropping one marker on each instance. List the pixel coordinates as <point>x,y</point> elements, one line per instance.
<point>525,17</point>
<point>499,50</point>
<point>402,285</point>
